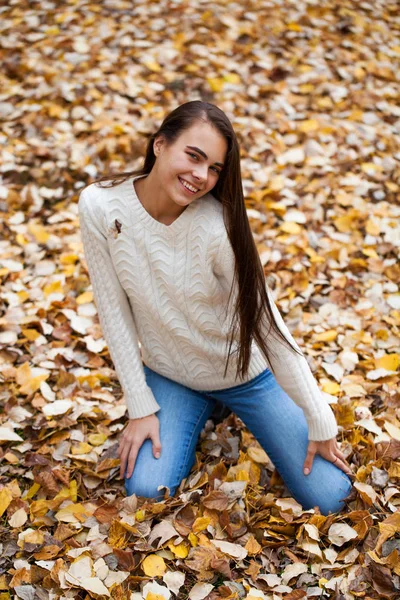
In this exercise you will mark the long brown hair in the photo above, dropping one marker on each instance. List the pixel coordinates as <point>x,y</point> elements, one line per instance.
<point>252,302</point>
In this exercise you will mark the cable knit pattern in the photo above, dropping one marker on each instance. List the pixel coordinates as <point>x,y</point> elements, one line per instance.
<point>165,288</point>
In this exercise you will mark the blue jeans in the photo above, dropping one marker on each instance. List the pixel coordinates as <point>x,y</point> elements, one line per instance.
<point>277,423</point>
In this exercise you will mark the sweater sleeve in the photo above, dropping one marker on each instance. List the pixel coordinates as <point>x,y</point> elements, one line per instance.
<point>114,311</point>
<point>292,371</point>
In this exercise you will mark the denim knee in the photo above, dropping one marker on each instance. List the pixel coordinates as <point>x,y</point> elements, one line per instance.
<point>148,488</point>
<point>329,499</point>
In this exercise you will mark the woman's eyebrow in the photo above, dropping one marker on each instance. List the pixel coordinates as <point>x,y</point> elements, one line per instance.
<point>203,154</point>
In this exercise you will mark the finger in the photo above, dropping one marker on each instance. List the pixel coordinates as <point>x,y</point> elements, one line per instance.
<point>132,460</point>
<point>340,455</point>
<point>123,461</point>
<point>156,446</point>
<point>308,463</point>
<point>342,465</point>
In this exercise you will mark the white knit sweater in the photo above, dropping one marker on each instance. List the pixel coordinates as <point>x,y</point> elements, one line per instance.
<point>167,286</point>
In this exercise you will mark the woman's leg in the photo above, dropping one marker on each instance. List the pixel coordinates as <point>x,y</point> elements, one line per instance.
<point>182,416</point>
<point>280,427</point>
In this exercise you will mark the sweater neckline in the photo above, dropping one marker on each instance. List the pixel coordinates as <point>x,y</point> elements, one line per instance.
<point>176,226</point>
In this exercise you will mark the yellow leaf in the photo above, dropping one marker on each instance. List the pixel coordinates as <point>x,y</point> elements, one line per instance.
<point>23,374</point>
<point>73,490</point>
<point>81,448</point>
<point>153,596</point>
<point>67,259</point>
<point>394,470</point>
<point>232,78</point>
<point>372,228</point>
<point>390,362</point>
<point>153,66</point>
<point>140,515</point>
<point>5,500</point>
<point>354,390</point>
<point>85,298</point>
<point>22,296</point>
<point>370,252</point>
<point>370,167</point>
<point>306,88</point>
<point>72,512</point>
<point>180,550</point>
<point>323,101</point>
<point>289,227</point>
<point>55,287</point>
<point>193,539</point>
<point>345,224</point>
<point>154,566</point>
<point>39,508</point>
<point>216,83</point>
<point>327,336</point>
<point>35,487</point>
<point>38,232</point>
<point>331,387</point>
<point>294,26</point>
<point>389,527</point>
<point>33,385</point>
<point>31,334</point>
<point>21,240</point>
<point>308,125</point>
<point>97,439</point>
<point>382,334</point>
<point>242,475</point>
<point>200,524</point>
<point>191,68</point>
<point>68,270</point>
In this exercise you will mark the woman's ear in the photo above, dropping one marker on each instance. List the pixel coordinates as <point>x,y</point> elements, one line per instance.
<point>158,144</point>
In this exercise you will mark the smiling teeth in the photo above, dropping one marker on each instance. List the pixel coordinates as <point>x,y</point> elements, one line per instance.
<point>189,187</point>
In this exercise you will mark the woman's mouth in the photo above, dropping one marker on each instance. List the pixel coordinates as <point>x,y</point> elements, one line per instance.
<point>186,186</point>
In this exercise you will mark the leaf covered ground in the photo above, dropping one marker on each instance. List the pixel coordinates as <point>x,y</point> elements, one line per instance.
<point>312,90</point>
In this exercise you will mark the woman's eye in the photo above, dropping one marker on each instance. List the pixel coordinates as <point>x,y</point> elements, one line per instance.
<point>195,156</point>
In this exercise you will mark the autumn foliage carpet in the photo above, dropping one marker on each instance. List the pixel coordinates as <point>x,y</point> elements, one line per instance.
<point>312,90</point>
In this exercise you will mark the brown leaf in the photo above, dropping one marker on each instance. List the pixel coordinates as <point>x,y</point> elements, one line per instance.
<point>63,532</point>
<point>216,500</point>
<point>221,565</point>
<point>106,513</point>
<point>127,561</point>
<point>382,580</point>
<point>184,519</point>
<point>47,552</point>
<point>47,482</point>
<point>295,595</point>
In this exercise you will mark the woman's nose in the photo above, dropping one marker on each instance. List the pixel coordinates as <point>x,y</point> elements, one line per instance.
<point>200,174</point>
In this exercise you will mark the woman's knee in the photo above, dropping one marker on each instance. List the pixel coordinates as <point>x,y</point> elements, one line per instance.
<point>148,488</point>
<point>329,498</point>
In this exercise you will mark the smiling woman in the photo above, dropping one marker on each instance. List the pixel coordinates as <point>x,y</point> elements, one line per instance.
<point>174,266</point>
<point>182,171</point>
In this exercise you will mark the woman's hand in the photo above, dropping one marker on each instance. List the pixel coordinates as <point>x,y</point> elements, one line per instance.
<point>329,450</point>
<point>135,433</point>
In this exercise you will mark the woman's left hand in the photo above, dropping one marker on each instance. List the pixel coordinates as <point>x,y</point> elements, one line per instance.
<point>329,450</point>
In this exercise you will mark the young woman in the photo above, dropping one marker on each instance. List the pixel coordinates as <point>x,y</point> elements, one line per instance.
<point>173,264</point>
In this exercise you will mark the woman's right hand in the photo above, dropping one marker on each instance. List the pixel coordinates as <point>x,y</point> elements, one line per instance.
<point>135,433</point>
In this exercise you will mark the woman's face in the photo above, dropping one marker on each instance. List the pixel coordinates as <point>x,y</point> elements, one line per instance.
<point>199,165</point>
